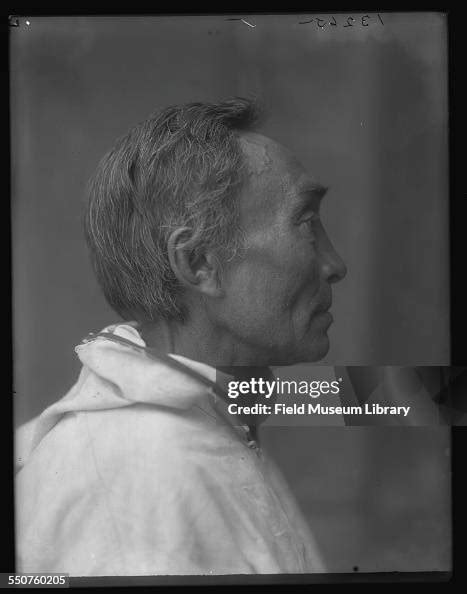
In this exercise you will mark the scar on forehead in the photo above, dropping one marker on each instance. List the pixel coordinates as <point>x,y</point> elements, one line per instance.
<point>260,159</point>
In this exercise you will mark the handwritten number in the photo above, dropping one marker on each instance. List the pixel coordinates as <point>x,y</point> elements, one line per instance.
<point>350,21</point>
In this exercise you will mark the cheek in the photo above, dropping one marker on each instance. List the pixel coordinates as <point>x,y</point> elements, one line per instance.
<point>269,286</point>
<point>256,291</point>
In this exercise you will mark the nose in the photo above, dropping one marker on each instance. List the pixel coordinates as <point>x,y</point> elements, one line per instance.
<point>333,268</point>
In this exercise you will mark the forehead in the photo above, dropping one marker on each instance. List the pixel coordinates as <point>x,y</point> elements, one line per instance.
<point>275,177</point>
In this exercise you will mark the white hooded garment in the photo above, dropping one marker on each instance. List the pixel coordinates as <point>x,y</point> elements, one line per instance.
<point>139,470</point>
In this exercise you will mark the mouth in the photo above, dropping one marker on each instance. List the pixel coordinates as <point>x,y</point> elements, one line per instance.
<point>323,308</point>
<point>327,317</point>
<point>322,313</point>
<point>322,305</point>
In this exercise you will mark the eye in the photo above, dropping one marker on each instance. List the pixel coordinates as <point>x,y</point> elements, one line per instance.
<point>310,225</point>
<point>311,220</point>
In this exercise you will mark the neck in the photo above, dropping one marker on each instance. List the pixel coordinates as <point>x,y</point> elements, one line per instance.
<point>215,349</point>
<point>202,341</point>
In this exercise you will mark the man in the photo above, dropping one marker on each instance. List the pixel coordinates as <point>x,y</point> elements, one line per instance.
<point>206,234</point>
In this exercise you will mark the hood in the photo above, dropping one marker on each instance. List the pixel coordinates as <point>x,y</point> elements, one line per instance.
<point>115,375</point>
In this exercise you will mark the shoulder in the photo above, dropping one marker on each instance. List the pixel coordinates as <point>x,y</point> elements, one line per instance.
<point>148,430</point>
<point>120,460</point>
<point>132,443</point>
<point>136,457</point>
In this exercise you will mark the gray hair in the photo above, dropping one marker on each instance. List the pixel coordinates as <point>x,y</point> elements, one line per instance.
<point>182,167</point>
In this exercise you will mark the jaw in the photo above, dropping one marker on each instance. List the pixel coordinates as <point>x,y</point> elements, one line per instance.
<point>307,352</point>
<point>313,351</point>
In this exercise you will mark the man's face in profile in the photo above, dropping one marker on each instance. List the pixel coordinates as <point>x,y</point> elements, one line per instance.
<point>277,295</point>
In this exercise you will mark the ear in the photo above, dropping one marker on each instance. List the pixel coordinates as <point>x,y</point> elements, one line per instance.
<point>199,273</point>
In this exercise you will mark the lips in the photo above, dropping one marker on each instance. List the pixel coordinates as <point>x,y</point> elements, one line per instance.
<point>324,301</point>
<point>323,308</point>
<point>320,316</point>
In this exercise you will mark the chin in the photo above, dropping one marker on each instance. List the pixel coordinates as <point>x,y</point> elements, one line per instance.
<point>317,350</point>
<point>304,353</point>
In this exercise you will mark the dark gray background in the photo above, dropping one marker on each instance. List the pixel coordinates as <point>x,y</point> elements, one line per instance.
<point>376,498</point>
<point>365,108</point>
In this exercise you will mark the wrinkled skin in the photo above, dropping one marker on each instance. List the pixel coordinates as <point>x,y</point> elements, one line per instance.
<point>276,297</point>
